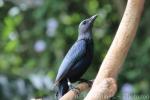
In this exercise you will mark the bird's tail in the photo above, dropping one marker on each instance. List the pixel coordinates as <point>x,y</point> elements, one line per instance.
<point>62,88</point>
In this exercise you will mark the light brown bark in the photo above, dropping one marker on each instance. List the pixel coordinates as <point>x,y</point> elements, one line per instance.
<point>119,48</point>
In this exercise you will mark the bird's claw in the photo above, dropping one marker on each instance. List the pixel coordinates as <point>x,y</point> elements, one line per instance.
<point>71,87</point>
<point>76,90</point>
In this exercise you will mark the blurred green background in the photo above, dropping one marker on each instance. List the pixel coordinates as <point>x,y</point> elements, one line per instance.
<point>36,34</point>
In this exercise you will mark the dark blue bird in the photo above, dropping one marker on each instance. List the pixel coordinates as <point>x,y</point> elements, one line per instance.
<point>78,58</point>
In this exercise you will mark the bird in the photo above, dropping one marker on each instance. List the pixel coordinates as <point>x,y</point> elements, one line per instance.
<point>78,58</point>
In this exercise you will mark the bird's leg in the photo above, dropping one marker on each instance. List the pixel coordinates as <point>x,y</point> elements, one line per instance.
<point>86,81</point>
<point>75,89</point>
<point>70,85</point>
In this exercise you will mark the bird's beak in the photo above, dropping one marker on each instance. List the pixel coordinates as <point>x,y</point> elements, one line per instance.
<point>92,19</point>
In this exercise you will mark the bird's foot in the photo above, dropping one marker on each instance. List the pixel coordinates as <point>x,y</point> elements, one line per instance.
<point>86,81</point>
<point>73,88</point>
<point>70,85</point>
<point>77,91</point>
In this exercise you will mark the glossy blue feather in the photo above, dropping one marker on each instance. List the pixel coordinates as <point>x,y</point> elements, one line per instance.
<point>76,52</point>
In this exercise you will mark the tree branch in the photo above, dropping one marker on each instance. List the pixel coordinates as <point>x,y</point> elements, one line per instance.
<point>71,95</point>
<point>119,48</point>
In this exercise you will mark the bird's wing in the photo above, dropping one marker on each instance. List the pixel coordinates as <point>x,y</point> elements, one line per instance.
<point>74,54</point>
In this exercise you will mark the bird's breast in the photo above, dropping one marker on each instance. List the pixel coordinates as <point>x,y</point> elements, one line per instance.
<point>89,49</point>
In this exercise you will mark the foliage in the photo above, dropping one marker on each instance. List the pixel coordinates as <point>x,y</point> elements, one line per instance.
<point>35,36</point>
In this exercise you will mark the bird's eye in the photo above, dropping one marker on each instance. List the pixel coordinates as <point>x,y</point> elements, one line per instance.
<point>84,22</point>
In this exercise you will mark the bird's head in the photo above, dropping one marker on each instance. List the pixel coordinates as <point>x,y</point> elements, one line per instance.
<point>85,27</point>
